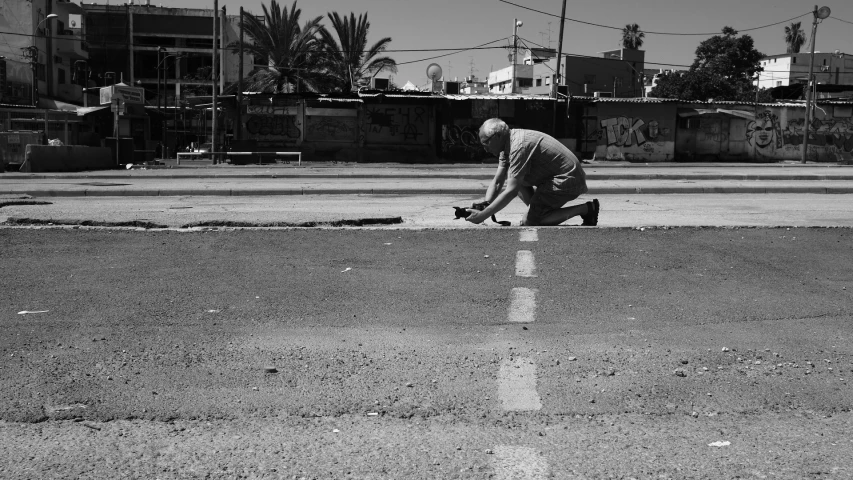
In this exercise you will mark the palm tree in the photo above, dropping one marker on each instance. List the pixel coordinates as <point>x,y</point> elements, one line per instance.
<point>349,62</point>
<point>795,37</point>
<point>632,37</point>
<point>293,53</point>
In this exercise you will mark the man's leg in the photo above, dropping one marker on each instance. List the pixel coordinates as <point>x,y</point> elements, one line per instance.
<point>546,218</point>
<point>525,194</point>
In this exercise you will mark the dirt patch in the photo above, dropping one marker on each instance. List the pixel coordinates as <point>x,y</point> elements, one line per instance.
<point>360,222</point>
<point>23,202</point>
<point>82,223</point>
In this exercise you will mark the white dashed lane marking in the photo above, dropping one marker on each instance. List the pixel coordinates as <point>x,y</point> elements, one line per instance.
<point>517,385</point>
<point>522,305</point>
<point>525,265</point>
<point>519,463</point>
<point>529,235</point>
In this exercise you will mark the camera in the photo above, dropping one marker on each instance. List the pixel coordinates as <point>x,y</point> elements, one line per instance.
<point>463,213</point>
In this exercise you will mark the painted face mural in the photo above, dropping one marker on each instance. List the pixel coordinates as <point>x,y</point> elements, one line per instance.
<point>764,132</point>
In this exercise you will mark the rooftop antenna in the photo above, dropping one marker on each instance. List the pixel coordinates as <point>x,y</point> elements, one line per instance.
<point>472,69</point>
<point>549,35</point>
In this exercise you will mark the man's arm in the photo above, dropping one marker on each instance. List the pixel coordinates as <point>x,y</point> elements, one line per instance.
<point>506,196</point>
<point>497,184</point>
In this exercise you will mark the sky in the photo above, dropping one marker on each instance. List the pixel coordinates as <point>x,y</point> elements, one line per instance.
<point>434,25</point>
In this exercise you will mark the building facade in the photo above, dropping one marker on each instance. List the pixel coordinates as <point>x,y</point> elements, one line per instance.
<point>42,38</point>
<point>793,68</point>
<point>618,73</point>
<point>128,43</point>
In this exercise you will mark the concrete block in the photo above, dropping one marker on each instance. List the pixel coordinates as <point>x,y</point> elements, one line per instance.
<point>74,158</point>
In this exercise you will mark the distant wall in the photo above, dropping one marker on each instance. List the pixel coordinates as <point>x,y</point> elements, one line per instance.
<point>633,132</point>
<point>43,158</point>
<point>777,133</point>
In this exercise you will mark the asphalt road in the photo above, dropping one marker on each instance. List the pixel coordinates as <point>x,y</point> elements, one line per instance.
<point>424,211</point>
<point>410,353</point>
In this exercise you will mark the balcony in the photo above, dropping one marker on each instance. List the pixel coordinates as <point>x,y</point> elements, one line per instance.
<point>70,93</point>
<point>67,43</point>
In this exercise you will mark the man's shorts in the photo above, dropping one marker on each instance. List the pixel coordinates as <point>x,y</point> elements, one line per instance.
<point>543,202</point>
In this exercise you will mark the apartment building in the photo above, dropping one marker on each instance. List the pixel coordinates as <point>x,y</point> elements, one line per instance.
<point>792,68</point>
<point>128,42</point>
<point>617,73</point>
<point>41,39</point>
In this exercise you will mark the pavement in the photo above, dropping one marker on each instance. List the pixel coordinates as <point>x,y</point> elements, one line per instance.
<point>197,178</point>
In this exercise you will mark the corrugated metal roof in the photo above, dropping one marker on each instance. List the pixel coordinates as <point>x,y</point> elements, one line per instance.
<point>351,100</point>
<point>497,97</point>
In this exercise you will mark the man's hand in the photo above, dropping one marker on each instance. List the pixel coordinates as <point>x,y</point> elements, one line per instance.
<point>476,216</point>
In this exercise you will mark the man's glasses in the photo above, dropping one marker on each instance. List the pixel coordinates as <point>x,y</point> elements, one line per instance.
<point>485,143</point>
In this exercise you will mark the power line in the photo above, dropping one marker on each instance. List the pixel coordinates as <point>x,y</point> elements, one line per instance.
<point>125,44</point>
<point>646,31</point>
<point>478,47</point>
<point>842,20</point>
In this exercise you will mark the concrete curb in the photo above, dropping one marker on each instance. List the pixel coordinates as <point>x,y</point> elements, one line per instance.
<point>620,190</point>
<point>468,176</point>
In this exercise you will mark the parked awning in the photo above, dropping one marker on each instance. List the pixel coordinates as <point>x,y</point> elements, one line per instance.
<point>81,111</point>
<point>52,104</point>
<point>692,112</point>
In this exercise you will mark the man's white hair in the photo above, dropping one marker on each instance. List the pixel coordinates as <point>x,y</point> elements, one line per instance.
<point>493,126</point>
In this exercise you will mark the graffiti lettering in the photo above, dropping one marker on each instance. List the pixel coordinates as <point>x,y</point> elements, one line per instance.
<point>622,131</point>
<point>268,125</point>
<point>397,120</point>
<point>330,127</point>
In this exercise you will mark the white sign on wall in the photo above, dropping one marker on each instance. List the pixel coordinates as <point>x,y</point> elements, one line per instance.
<point>124,93</point>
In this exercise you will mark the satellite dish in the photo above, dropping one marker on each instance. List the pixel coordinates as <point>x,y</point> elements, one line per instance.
<point>433,71</point>
<point>823,13</point>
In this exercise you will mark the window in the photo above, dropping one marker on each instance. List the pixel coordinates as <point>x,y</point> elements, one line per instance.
<point>40,71</point>
<point>547,80</point>
<point>689,123</point>
<point>778,83</point>
<point>61,76</point>
<point>538,82</point>
<point>794,60</point>
<point>824,61</point>
<point>525,82</point>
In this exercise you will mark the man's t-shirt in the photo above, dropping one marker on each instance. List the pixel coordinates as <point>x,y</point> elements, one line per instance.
<point>539,160</point>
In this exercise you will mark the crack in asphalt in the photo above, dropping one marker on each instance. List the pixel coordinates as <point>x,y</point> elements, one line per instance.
<point>358,222</point>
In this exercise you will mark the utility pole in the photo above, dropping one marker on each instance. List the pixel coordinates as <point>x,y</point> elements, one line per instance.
<point>214,73</point>
<point>514,52</point>
<point>557,76</point>
<point>819,15</point>
<point>239,126</point>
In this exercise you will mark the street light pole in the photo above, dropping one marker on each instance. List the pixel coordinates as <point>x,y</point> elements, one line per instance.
<point>819,15</point>
<point>34,57</point>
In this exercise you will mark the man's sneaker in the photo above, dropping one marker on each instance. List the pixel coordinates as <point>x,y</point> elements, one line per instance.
<point>591,218</point>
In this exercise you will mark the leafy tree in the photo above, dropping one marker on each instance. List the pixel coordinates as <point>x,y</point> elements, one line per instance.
<point>201,74</point>
<point>348,60</point>
<point>294,53</point>
<point>632,37</point>
<point>724,69</point>
<point>795,37</point>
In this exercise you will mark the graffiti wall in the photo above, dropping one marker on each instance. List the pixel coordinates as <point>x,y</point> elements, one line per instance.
<point>273,126</point>
<point>331,125</point>
<point>396,124</point>
<point>632,132</point>
<point>777,133</point>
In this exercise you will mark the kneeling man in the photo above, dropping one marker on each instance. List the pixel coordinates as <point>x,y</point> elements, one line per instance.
<point>540,170</point>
